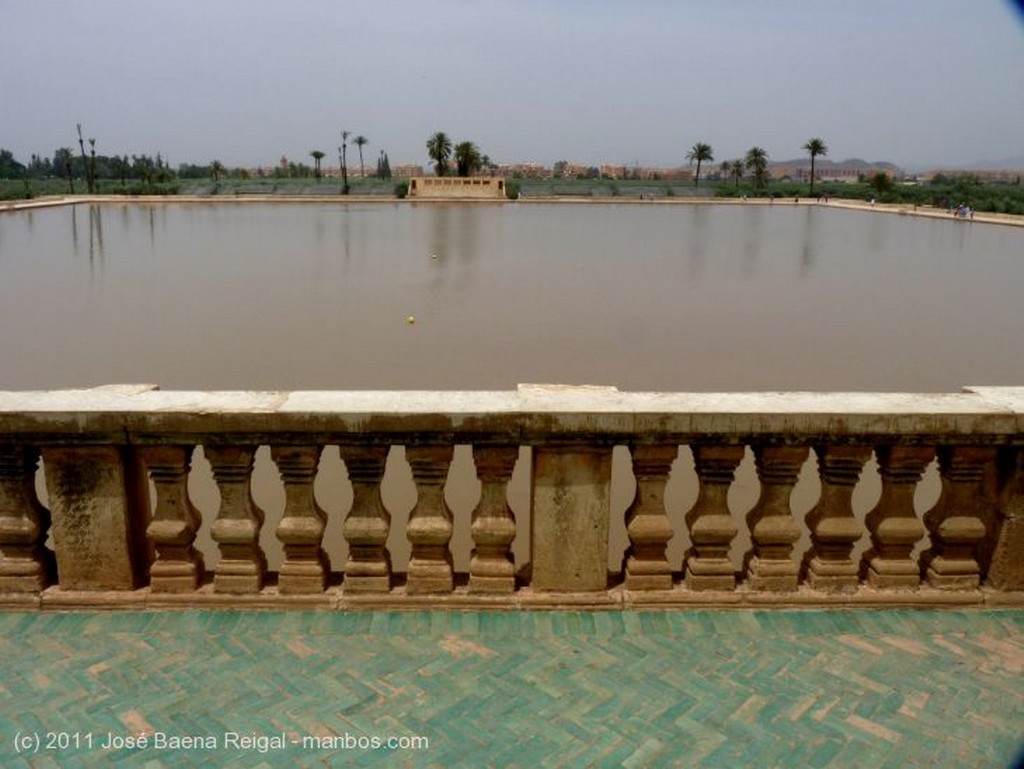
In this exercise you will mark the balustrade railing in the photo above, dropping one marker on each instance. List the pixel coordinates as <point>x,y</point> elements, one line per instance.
<point>120,527</point>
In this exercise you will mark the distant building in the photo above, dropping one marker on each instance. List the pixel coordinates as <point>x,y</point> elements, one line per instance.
<point>456,187</point>
<point>407,170</point>
<point>524,171</point>
<point>827,171</point>
<point>990,175</point>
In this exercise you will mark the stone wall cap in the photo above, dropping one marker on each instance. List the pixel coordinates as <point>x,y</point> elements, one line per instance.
<point>980,401</point>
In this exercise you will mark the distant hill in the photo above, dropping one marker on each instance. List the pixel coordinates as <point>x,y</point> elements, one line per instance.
<point>824,163</point>
<point>1014,162</point>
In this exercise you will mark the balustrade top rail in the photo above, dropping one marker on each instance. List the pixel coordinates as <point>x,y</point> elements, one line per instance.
<point>532,412</point>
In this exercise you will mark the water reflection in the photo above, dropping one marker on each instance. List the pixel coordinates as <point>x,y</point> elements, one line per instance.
<point>695,242</point>
<point>95,235</point>
<point>74,228</point>
<point>807,252</point>
<point>753,225</point>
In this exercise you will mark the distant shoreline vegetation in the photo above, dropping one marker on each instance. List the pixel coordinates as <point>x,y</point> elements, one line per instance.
<point>942,192</point>
<point>70,173</point>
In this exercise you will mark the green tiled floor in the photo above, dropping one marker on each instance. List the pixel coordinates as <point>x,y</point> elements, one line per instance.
<point>715,689</point>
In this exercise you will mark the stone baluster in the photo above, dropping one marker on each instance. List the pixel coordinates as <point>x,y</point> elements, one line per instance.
<point>957,523</point>
<point>773,531</point>
<point>712,528</point>
<point>25,563</point>
<point>368,568</point>
<point>242,563</point>
<point>301,531</point>
<point>647,523</point>
<point>430,523</point>
<point>1006,571</point>
<point>491,567</point>
<point>178,567</point>
<point>894,526</point>
<point>833,526</point>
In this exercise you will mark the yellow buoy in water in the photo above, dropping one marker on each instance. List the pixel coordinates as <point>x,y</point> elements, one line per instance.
<point>411,319</point>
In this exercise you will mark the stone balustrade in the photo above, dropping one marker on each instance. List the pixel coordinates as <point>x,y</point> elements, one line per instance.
<point>121,529</point>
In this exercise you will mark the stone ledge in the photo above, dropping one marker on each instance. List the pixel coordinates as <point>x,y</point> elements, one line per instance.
<point>144,414</point>
<point>334,599</point>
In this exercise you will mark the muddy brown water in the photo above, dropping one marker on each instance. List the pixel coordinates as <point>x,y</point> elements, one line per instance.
<point>688,297</point>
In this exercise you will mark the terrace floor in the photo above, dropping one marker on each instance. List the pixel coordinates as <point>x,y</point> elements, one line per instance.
<point>519,689</point>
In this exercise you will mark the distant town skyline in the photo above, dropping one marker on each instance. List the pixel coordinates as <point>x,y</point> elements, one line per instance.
<point>919,83</point>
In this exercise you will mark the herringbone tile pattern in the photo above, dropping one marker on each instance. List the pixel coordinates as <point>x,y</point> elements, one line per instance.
<point>522,689</point>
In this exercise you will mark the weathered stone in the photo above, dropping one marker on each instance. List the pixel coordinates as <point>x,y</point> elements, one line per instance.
<point>773,530</point>
<point>99,513</point>
<point>571,508</point>
<point>25,563</point>
<point>301,530</point>
<point>647,523</point>
<point>430,523</point>
<point>894,526</point>
<point>242,564</point>
<point>491,568</point>
<point>712,529</point>
<point>834,528</point>
<point>957,523</point>
<point>178,567</point>
<point>368,568</point>
<point>1006,571</point>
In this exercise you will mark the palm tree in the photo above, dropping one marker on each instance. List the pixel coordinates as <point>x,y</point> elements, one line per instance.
<point>360,141</point>
<point>317,157</point>
<point>467,158</point>
<point>62,159</point>
<point>344,162</point>
<point>92,165</point>
<point>439,149</point>
<point>757,161</point>
<point>814,148</point>
<point>699,152</point>
<point>736,168</point>
<point>85,163</point>
<point>216,169</point>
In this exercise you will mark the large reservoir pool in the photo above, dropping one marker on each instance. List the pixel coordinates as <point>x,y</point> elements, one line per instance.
<point>644,297</point>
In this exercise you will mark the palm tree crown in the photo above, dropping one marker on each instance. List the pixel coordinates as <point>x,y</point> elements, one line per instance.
<point>699,152</point>
<point>317,157</point>
<point>814,148</point>
<point>361,141</point>
<point>467,158</point>
<point>757,161</point>
<point>736,168</point>
<point>439,149</point>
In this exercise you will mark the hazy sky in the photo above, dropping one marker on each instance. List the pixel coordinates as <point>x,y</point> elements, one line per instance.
<point>917,82</point>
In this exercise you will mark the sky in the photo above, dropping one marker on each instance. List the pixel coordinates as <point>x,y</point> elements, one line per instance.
<point>920,83</point>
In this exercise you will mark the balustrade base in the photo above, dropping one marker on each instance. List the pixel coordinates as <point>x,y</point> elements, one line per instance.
<point>301,578</point>
<point>946,574</point>
<point>773,576</point>
<point>174,577</point>
<point>429,578</point>
<point>833,576</point>
<point>336,599</point>
<point>237,584</point>
<point>25,577</point>
<point>710,574</point>
<point>647,575</point>
<point>893,575</point>
<point>374,583</point>
<point>492,585</point>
